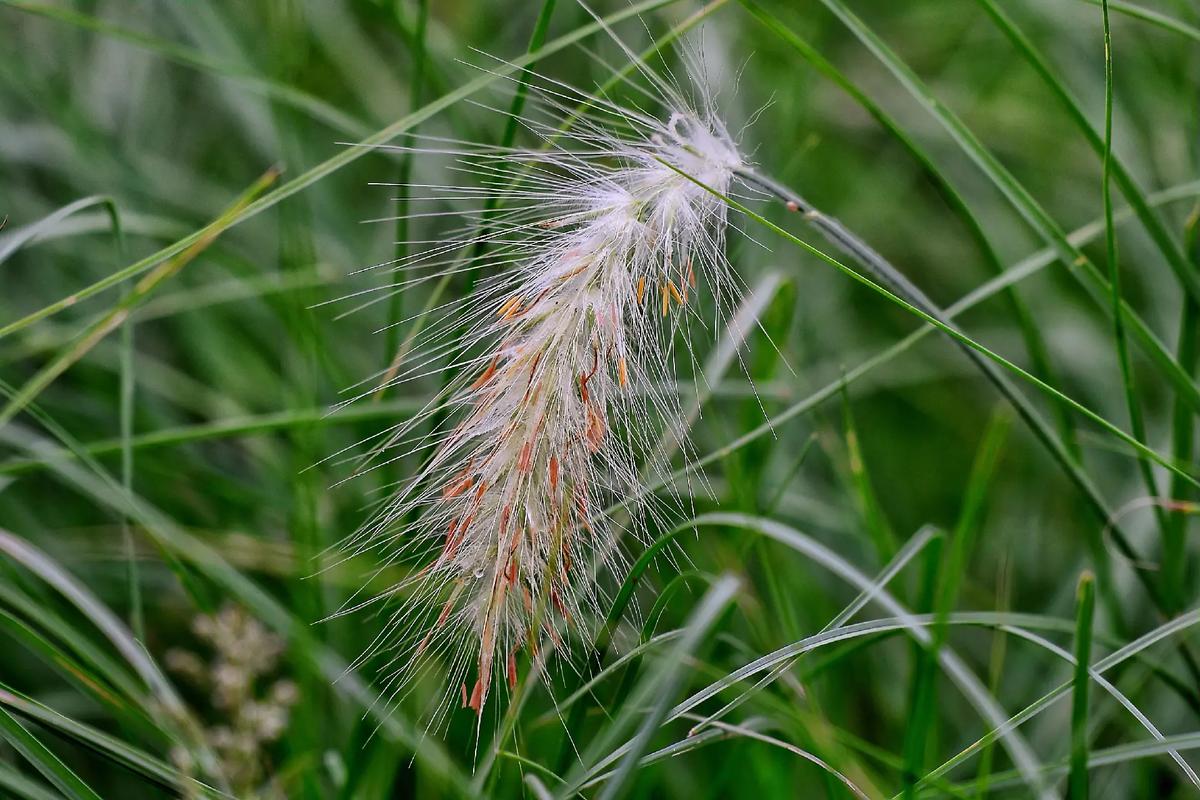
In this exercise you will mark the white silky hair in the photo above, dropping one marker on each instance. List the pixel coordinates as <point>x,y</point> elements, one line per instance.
<point>588,251</point>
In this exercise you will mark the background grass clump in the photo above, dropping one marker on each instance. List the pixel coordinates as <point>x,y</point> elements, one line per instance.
<point>915,565</point>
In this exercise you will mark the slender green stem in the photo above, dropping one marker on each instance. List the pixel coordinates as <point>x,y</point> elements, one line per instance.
<point>44,761</point>
<point>1136,422</point>
<point>1153,17</point>
<point>511,124</point>
<point>1188,277</point>
<point>135,297</point>
<point>1035,215</point>
<point>1035,345</point>
<point>905,293</point>
<point>922,687</point>
<point>1078,778</point>
<point>396,303</point>
<point>368,145</point>
<point>128,381</point>
<point>1175,552</point>
<point>904,289</point>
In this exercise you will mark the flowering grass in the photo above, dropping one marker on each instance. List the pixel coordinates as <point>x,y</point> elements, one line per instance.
<point>658,399</point>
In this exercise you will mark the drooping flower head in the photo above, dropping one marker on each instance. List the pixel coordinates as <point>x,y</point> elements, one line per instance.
<point>555,364</point>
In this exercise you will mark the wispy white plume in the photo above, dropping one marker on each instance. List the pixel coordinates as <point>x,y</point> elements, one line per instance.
<point>589,251</point>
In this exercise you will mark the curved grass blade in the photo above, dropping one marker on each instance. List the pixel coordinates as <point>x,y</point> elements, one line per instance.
<point>1153,17</point>
<point>1112,690</point>
<point>914,546</point>
<point>1035,346</point>
<point>187,57</point>
<point>1101,144</point>
<point>1168,629</point>
<point>16,239</point>
<point>37,562</point>
<point>1024,269</point>
<point>44,761</point>
<point>130,713</point>
<point>1078,781</point>
<point>657,689</point>
<point>677,749</point>
<point>109,747</point>
<point>177,715</point>
<point>22,787</point>
<point>368,144</point>
<point>1023,202</point>
<point>95,660</point>
<point>121,311</point>
<point>91,480</point>
<point>1020,751</point>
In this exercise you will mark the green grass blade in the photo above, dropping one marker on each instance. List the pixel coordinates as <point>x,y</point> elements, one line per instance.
<point>98,330</point>
<point>333,164</point>
<point>1022,201</point>
<point>1035,345</point>
<point>921,693</point>
<point>22,787</point>
<point>658,689</point>
<point>1018,272</point>
<point>44,761</point>
<point>1158,18</point>
<point>879,530</point>
<point>1183,424</point>
<point>107,746</point>
<point>185,56</point>
<point>970,518</point>
<point>15,240</point>
<point>1187,275</point>
<point>1078,781</point>
<point>1132,404</point>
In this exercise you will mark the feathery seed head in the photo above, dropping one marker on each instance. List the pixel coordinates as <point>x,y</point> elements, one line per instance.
<point>557,360</point>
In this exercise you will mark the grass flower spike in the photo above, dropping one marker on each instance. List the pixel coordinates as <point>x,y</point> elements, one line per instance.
<point>598,243</point>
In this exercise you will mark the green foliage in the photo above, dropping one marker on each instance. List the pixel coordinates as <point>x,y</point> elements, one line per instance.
<point>874,591</point>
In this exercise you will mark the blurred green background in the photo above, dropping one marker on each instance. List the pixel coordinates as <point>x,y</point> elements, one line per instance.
<point>169,481</point>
